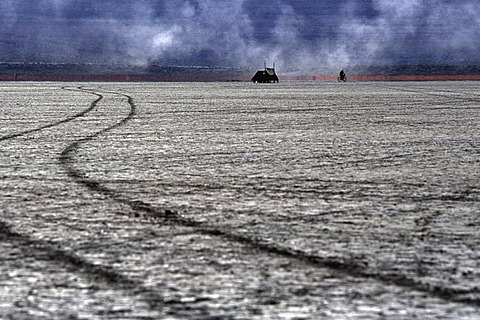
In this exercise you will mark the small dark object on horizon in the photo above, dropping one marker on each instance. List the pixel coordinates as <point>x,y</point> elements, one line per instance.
<point>267,75</point>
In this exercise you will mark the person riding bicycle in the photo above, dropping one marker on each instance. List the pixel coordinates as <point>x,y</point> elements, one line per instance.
<point>342,75</point>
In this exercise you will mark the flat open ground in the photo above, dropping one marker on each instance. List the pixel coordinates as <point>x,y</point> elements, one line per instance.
<point>302,200</point>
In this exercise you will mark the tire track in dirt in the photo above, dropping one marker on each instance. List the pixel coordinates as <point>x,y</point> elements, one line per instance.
<point>57,123</point>
<point>174,216</point>
<point>72,262</point>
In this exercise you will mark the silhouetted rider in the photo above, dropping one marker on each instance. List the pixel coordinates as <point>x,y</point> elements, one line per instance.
<point>342,74</point>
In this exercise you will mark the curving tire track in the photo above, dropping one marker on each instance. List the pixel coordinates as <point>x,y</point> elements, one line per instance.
<point>173,216</point>
<point>57,123</point>
<point>40,249</point>
<point>72,261</point>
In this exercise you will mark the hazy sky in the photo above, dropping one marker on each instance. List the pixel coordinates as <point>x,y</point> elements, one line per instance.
<point>302,34</point>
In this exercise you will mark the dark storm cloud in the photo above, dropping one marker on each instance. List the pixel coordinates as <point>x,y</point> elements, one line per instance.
<point>308,35</point>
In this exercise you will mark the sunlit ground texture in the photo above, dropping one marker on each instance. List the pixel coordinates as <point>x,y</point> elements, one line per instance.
<point>302,200</point>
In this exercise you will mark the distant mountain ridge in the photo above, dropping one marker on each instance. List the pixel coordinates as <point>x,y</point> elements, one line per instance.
<point>103,72</point>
